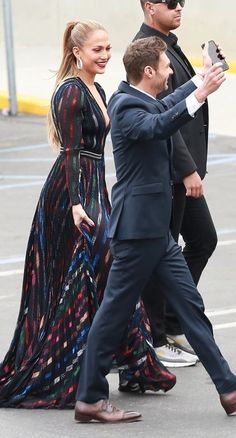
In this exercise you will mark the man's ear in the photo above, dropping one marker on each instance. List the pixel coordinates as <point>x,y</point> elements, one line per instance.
<point>149,8</point>
<point>148,71</point>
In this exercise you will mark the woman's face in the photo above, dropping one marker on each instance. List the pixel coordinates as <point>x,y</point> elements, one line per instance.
<point>96,52</point>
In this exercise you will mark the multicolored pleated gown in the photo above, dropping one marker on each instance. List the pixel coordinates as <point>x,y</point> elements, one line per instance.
<point>66,270</point>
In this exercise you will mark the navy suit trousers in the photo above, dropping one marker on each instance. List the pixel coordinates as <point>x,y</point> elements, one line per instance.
<point>135,261</point>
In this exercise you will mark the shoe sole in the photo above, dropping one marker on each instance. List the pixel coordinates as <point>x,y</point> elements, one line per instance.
<point>177,365</point>
<point>141,387</point>
<point>89,419</point>
<point>231,410</point>
<point>138,389</point>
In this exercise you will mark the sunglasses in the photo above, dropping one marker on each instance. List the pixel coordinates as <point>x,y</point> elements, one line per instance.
<point>171,4</point>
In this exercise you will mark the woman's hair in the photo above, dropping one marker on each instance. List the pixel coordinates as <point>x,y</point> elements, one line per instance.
<point>139,54</point>
<point>75,35</point>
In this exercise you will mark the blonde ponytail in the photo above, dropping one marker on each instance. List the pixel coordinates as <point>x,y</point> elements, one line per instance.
<point>75,35</point>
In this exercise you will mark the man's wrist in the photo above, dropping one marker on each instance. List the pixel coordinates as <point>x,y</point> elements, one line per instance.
<point>200,95</point>
<point>201,75</point>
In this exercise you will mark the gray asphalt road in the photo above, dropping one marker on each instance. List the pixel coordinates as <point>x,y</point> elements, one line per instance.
<point>192,408</point>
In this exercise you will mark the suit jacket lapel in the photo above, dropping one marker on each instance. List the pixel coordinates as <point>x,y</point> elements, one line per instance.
<point>124,87</point>
<point>180,60</point>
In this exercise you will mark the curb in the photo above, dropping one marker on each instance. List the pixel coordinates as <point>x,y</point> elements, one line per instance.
<point>26,104</point>
<point>197,62</point>
<point>37,106</point>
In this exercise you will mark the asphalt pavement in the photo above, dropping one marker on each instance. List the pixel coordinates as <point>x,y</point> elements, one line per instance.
<point>192,408</point>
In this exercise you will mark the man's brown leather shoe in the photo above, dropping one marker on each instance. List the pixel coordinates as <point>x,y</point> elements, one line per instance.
<point>104,412</point>
<point>228,402</point>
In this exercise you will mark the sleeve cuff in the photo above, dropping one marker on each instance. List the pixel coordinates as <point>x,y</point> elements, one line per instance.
<point>196,80</point>
<point>192,104</point>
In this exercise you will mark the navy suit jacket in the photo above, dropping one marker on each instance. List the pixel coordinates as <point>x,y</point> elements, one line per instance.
<point>140,131</point>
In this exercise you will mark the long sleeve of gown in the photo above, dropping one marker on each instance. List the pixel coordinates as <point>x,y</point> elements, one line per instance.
<point>68,106</point>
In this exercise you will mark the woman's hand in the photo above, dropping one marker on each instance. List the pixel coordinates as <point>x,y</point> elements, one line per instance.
<point>80,216</point>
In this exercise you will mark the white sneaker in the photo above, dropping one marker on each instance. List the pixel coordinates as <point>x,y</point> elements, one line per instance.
<point>181,342</point>
<point>171,356</point>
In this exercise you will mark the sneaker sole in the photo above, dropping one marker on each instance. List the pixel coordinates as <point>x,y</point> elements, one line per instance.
<point>177,364</point>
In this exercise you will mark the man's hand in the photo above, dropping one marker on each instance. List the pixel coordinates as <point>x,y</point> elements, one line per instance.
<point>213,79</point>
<point>207,61</point>
<point>80,216</point>
<point>193,185</point>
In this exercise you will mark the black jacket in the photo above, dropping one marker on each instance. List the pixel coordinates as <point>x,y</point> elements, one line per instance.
<point>190,142</point>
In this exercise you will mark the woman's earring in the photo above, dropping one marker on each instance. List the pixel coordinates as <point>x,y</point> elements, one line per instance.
<point>79,63</point>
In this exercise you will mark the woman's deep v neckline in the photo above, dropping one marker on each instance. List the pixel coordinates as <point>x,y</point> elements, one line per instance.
<point>106,119</point>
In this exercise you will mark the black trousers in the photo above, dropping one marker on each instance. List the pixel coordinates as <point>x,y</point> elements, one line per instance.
<point>134,262</point>
<point>192,219</point>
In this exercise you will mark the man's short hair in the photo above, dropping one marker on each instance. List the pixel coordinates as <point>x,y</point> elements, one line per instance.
<point>139,54</point>
<point>143,3</point>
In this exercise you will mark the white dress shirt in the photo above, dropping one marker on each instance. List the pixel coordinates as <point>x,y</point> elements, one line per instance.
<point>191,101</point>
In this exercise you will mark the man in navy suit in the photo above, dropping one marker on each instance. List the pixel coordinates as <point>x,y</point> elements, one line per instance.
<point>141,243</point>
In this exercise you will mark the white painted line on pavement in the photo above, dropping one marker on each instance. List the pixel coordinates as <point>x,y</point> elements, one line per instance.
<point>26,160</point>
<point>11,260</point>
<point>20,258</point>
<point>10,273</point>
<point>209,314</point>
<point>220,312</point>
<point>226,242</point>
<point>221,155</point>
<point>22,185</point>
<point>211,162</point>
<point>3,177</point>
<point>24,148</point>
<point>41,177</point>
<point>37,183</point>
<point>4,297</point>
<point>220,242</point>
<point>220,159</point>
<point>229,159</point>
<point>37,160</point>
<point>224,326</point>
<point>32,146</point>
<point>225,231</point>
<point>213,313</point>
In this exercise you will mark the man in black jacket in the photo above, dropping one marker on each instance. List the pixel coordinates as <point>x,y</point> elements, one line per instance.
<point>190,215</point>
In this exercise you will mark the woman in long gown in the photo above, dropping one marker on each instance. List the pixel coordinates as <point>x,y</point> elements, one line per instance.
<point>68,258</point>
